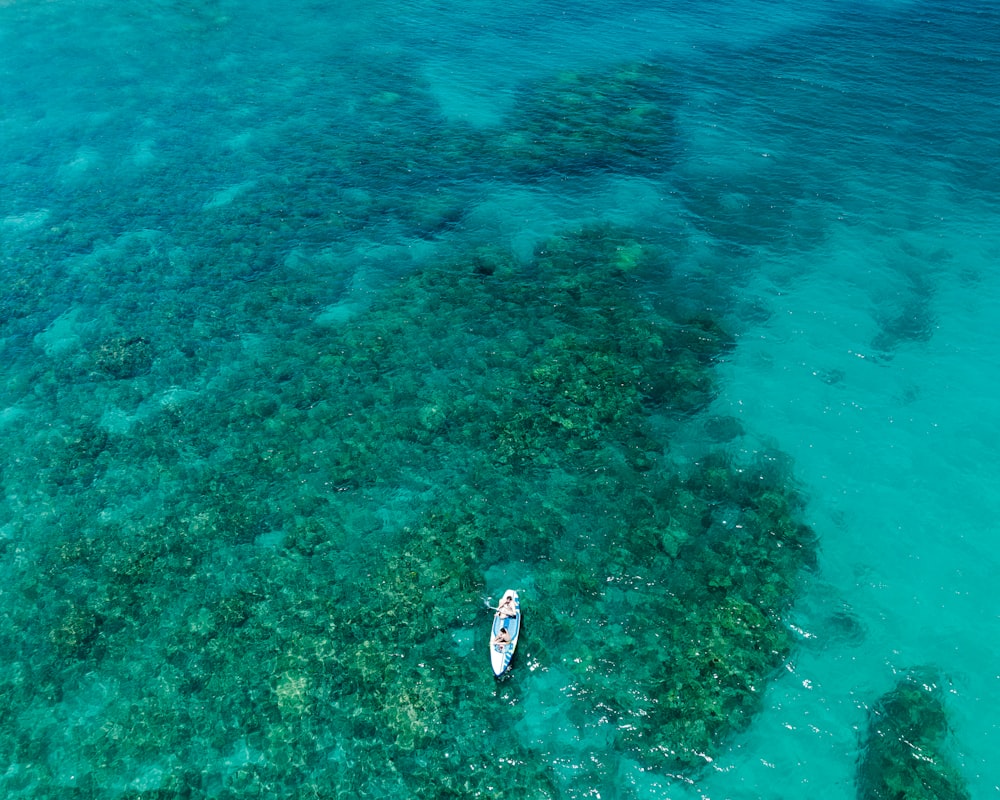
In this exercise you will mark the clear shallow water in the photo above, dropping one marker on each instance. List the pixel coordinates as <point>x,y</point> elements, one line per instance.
<point>205,220</point>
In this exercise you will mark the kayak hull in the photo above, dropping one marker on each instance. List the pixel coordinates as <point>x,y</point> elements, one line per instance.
<point>501,654</point>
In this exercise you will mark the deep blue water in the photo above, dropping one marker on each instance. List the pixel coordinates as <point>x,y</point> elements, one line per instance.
<point>245,399</point>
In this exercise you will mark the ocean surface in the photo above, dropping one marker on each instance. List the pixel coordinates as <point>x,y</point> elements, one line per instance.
<point>324,323</point>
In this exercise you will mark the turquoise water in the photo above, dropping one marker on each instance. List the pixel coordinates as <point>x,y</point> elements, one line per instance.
<point>323,324</point>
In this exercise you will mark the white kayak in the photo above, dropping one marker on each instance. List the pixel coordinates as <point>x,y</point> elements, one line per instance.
<point>506,628</point>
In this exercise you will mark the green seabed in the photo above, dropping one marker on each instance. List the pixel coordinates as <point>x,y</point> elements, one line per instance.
<point>250,541</point>
<point>284,577</point>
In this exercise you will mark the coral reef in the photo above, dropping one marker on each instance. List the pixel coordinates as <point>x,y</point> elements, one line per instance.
<point>906,754</point>
<point>319,526</point>
<point>124,356</point>
<point>617,121</point>
<point>251,547</point>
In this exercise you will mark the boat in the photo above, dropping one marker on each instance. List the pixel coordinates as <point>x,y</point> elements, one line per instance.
<point>506,626</point>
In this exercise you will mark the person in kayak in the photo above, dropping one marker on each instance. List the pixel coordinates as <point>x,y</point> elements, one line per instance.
<point>502,639</point>
<point>506,607</point>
